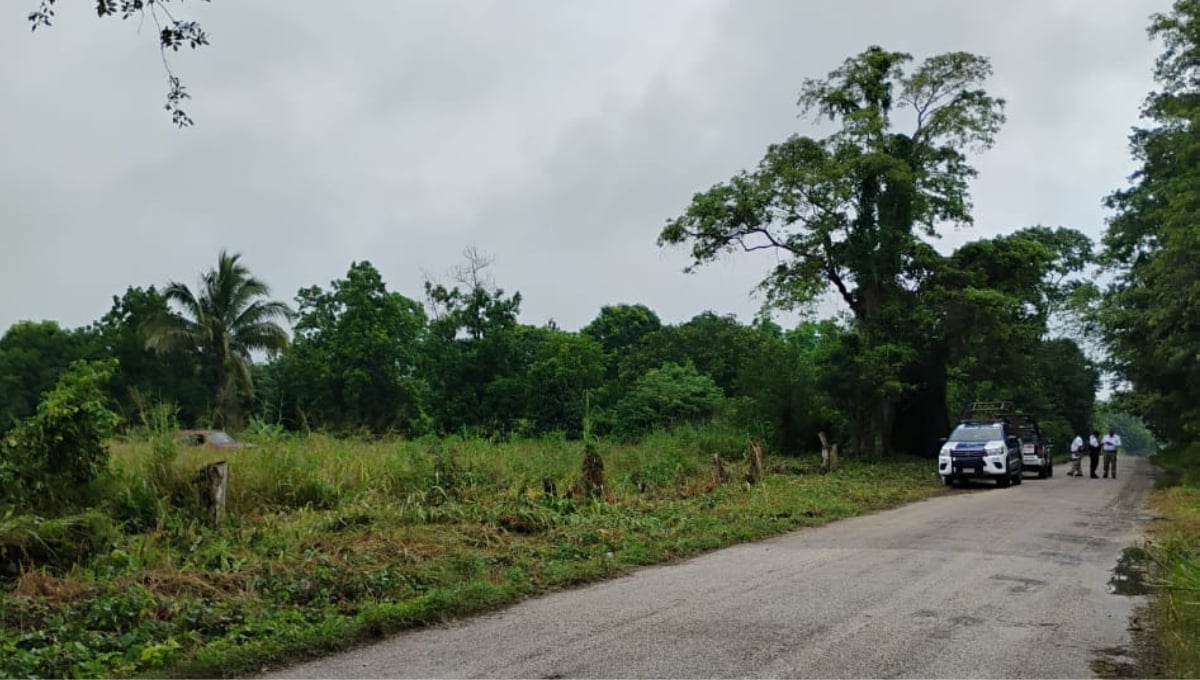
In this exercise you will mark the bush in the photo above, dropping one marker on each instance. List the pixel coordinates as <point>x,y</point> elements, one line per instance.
<point>61,448</point>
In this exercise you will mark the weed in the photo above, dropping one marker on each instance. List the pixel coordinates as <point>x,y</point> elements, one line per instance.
<point>1175,551</point>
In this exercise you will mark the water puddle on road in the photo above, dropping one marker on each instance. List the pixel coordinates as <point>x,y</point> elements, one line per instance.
<point>1140,657</point>
<point>1131,575</point>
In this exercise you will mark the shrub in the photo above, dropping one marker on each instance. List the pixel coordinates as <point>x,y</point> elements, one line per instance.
<point>61,448</point>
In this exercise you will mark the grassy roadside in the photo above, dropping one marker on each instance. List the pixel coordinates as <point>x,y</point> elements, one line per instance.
<point>329,543</point>
<point>1175,549</point>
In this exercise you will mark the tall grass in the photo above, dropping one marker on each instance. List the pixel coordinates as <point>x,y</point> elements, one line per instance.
<point>327,542</point>
<point>1176,552</point>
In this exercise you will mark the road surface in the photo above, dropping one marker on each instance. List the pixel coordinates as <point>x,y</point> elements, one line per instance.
<point>991,583</point>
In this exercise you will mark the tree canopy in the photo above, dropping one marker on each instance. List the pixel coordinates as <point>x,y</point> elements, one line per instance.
<point>1152,244</point>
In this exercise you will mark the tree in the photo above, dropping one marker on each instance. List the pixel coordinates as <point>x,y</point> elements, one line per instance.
<point>1152,243</point>
<point>716,345</point>
<point>1136,438</point>
<point>32,357</point>
<point>355,357</point>
<point>777,391</point>
<point>618,328</point>
<point>473,354</point>
<point>994,299</point>
<point>562,368</point>
<point>223,321</point>
<point>1066,385</point>
<point>849,211</point>
<point>172,34</point>
<point>143,374</point>
<point>665,397</point>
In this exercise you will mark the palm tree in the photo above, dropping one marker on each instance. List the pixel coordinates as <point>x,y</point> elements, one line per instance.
<point>225,320</point>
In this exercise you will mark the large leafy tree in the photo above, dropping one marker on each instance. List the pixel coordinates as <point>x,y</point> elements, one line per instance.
<point>1152,243</point>
<point>850,212</point>
<point>997,296</point>
<point>355,357</point>
<point>991,303</point>
<point>225,319</point>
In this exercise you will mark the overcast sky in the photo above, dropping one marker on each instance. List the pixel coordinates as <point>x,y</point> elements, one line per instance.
<point>556,136</point>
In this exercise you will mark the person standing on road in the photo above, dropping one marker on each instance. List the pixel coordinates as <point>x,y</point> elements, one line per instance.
<point>1076,457</point>
<point>1094,451</point>
<point>1112,442</point>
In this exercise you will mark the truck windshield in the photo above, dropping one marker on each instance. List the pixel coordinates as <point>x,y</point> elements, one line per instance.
<point>976,433</point>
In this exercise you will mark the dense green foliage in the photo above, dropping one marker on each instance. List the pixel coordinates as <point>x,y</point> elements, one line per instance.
<point>50,456</point>
<point>355,355</point>
<point>1152,244</point>
<point>32,356</point>
<point>368,359</point>
<point>927,332</point>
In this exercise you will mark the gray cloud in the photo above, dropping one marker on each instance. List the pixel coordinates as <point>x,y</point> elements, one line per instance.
<point>556,136</point>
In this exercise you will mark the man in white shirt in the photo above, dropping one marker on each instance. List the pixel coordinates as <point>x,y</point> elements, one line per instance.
<point>1094,451</point>
<point>1076,457</point>
<point>1110,444</point>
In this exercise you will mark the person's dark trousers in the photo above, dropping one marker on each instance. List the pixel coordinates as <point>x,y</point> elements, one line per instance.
<point>1094,454</point>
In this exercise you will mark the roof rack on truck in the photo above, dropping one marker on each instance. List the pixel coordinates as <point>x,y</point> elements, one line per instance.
<point>989,411</point>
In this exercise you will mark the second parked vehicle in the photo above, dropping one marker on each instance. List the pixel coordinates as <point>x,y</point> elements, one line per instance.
<point>1035,446</point>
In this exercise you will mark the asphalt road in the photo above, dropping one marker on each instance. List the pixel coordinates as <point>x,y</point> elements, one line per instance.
<point>991,583</point>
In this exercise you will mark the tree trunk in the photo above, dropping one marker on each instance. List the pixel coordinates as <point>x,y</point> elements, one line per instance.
<point>219,418</point>
<point>921,414</point>
<point>828,454</point>
<point>754,461</point>
<point>213,480</point>
<point>887,419</point>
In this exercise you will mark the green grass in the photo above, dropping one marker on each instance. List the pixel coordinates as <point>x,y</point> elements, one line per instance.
<point>1175,548</point>
<point>328,542</point>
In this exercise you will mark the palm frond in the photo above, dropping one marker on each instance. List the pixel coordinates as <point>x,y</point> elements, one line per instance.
<point>170,332</point>
<point>182,297</point>
<point>264,335</point>
<point>261,311</point>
